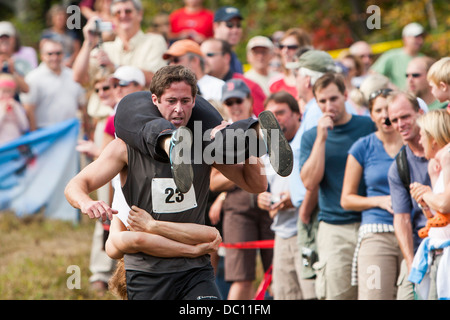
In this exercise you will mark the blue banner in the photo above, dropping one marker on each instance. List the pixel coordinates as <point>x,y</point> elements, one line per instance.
<point>35,169</point>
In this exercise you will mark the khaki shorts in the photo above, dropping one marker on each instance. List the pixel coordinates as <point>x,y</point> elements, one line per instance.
<point>379,261</point>
<point>336,245</point>
<point>287,281</point>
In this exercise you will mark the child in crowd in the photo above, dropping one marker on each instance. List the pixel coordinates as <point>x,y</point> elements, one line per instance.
<point>439,78</point>
<point>13,119</point>
<point>435,136</point>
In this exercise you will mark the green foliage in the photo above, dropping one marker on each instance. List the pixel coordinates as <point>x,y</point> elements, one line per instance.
<point>333,24</point>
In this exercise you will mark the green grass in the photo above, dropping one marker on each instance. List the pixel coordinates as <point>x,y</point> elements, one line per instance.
<point>35,254</point>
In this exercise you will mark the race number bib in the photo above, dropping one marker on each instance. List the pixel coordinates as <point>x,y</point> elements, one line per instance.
<point>167,199</point>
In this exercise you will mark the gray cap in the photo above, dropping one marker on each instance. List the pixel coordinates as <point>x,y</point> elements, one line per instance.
<point>316,60</point>
<point>235,88</point>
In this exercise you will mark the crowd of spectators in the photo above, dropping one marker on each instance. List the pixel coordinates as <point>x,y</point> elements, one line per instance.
<point>344,224</point>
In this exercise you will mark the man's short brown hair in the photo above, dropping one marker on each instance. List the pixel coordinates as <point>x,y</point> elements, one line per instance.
<point>409,96</point>
<point>283,97</point>
<point>164,77</point>
<point>327,79</point>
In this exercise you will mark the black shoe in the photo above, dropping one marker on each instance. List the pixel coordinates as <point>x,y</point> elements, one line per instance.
<point>182,172</point>
<point>278,148</point>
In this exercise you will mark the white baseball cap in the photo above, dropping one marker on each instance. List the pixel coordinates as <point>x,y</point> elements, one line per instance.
<point>7,29</point>
<point>413,30</point>
<point>130,74</point>
<point>260,41</point>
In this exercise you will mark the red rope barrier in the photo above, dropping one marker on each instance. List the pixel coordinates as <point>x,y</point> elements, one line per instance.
<point>260,244</point>
<point>262,288</point>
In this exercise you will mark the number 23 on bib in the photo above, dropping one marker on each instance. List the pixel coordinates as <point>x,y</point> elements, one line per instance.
<point>167,199</point>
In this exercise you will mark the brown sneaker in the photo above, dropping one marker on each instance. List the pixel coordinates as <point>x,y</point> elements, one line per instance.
<point>182,172</point>
<point>278,148</point>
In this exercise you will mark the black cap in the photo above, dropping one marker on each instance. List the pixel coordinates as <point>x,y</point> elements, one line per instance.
<point>227,13</point>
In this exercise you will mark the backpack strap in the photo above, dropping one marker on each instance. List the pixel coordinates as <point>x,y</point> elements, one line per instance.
<point>403,168</point>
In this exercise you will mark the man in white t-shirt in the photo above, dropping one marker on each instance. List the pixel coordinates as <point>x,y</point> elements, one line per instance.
<point>259,53</point>
<point>54,96</point>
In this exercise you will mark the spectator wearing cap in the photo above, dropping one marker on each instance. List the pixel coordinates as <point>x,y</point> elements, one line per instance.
<point>188,53</point>
<point>125,80</point>
<point>310,67</point>
<point>217,54</point>
<point>228,27</point>
<point>193,21</point>
<point>111,89</point>
<point>242,219</point>
<point>16,66</point>
<point>26,55</point>
<point>128,79</point>
<point>394,62</point>
<point>259,54</point>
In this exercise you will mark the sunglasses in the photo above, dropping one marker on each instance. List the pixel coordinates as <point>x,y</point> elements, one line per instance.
<point>212,54</point>
<point>232,102</point>
<point>127,12</point>
<point>289,47</point>
<point>414,75</point>
<point>382,92</point>
<point>104,89</point>
<point>56,53</point>
<point>123,83</point>
<point>175,60</point>
<point>370,56</point>
<point>163,24</point>
<point>231,25</point>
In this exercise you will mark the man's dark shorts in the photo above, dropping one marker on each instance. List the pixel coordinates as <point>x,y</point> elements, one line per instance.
<point>194,284</point>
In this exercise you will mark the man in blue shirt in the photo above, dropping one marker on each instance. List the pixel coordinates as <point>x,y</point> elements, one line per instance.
<point>227,26</point>
<point>404,111</point>
<point>311,65</point>
<point>323,156</point>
